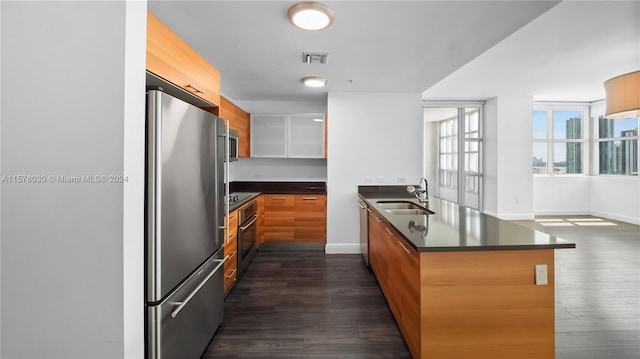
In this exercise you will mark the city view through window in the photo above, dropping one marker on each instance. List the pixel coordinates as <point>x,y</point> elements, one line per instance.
<point>560,137</point>
<point>618,146</point>
<point>558,141</point>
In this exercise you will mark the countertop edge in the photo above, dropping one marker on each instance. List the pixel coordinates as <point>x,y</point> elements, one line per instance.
<point>391,221</point>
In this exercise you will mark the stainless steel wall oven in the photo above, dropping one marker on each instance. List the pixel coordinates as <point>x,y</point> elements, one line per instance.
<point>247,217</point>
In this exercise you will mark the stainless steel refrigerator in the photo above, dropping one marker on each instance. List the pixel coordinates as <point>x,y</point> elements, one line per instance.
<point>184,227</point>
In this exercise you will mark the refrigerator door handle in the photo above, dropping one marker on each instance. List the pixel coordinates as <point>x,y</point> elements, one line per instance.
<point>181,305</point>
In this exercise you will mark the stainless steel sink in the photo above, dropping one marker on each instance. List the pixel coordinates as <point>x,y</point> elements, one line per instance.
<point>413,212</point>
<point>398,205</point>
<point>403,208</point>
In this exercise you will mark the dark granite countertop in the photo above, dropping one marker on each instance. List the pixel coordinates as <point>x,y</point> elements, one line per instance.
<point>456,228</point>
<point>245,197</point>
<point>270,187</point>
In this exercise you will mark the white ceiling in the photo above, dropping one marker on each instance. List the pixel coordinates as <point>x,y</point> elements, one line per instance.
<point>451,49</point>
<point>564,55</point>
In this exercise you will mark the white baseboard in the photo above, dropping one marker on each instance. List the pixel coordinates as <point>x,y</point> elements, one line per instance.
<point>562,212</point>
<point>516,216</point>
<point>342,248</point>
<point>511,216</point>
<point>616,217</point>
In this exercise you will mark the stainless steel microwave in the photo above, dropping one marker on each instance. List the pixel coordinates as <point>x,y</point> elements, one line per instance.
<point>233,145</point>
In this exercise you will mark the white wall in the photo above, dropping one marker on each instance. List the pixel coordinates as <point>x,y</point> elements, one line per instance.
<point>278,169</point>
<point>68,279</point>
<point>282,106</point>
<point>508,191</point>
<point>616,198</point>
<point>558,195</point>
<point>371,135</point>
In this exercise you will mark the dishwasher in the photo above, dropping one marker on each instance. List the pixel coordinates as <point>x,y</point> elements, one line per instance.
<point>364,230</point>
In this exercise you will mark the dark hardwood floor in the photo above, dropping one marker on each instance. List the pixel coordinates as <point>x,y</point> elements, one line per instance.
<point>307,305</point>
<point>311,305</point>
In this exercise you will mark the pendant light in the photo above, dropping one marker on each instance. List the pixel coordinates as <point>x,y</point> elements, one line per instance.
<point>623,96</point>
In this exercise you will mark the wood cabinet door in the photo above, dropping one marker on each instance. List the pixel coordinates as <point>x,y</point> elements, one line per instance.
<point>239,121</point>
<point>377,249</point>
<point>310,218</point>
<point>405,288</point>
<point>169,57</point>
<point>396,266</point>
<point>279,218</point>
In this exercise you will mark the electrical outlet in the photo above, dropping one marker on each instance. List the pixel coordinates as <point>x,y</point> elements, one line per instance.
<point>541,274</point>
<point>380,179</point>
<point>402,180</point>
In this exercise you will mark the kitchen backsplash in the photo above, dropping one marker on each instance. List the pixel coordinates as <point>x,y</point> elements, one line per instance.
<point>278,169</point>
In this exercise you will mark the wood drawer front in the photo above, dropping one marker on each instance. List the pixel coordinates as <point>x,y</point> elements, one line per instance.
<point>279,202</point>
<point>230,277</point>
<point>316,203</point>
<point>169,57</point>
<point>231,265</point>
<point>231,251</point>
<point>233,226</point>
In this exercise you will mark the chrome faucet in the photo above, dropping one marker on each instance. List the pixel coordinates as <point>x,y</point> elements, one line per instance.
<point>421,193</point>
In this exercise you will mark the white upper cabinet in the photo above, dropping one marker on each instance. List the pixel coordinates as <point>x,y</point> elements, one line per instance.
<point>294,135</point>
<point>268,135</point>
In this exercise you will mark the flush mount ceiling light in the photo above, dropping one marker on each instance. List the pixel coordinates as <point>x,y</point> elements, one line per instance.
<point>623,96</point>
<point>314,81</point>
<point>310,15</point>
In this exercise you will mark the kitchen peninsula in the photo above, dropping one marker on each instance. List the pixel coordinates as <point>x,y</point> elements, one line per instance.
<point>462,284</point>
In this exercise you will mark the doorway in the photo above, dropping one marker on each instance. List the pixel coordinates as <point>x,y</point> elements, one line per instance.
<point>453,151</point>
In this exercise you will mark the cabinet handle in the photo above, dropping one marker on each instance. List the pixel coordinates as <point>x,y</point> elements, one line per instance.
<point>191,86</point>
<point>378,219</point>
<point>360,204</point>
<point>232,273</point>
<point>308,198</point>
<point>277,197</point>
<point>403,247</point>
<point>231,255</point>
<point>368,210</point>
<point>232,236</point>
<point>388,231</point>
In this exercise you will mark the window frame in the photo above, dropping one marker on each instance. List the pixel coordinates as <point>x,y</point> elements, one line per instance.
<point>597,141</point>
<point>550,141</point>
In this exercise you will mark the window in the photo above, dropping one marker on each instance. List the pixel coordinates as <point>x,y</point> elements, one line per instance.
<point>449,153</point>
<point>558,140</point>
<point>618,146</point>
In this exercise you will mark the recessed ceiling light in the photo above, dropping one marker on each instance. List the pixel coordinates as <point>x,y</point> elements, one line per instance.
<point>310,15</point>
<point>314,81</point>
